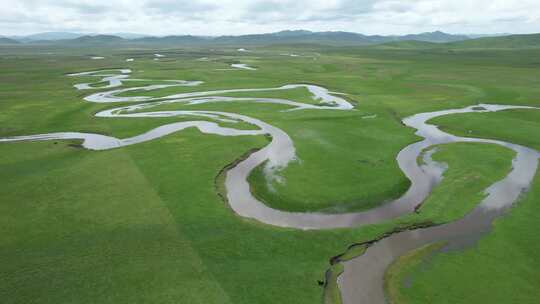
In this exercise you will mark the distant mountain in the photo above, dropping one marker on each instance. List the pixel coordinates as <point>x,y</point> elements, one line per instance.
<point>422,40</point>
<point>94,40</point>
<point>296,37</point>
<point>186,39</point>
<point>435,37</point>
<point>130,35</point>
<point>54,36</point>
<point>283,37</point>
<point>336,38</point>
<point>291,33</point>
<point>51,36</point>
<point>4,40</point>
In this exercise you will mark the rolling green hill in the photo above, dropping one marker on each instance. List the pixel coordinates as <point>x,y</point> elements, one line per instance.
<point>8,41</point>
<point>530,41</point>
<point>408,44</point>
<point>504,42</point>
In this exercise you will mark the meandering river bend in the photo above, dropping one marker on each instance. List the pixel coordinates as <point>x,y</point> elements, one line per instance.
<point>362,280</point>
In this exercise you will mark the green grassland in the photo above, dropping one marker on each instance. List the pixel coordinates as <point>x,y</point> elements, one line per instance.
<point>145,224</point>
<point>501,268</point>
<point>517,126</point>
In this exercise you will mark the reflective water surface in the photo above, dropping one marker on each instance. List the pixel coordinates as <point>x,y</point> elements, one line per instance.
<point>362,280</point>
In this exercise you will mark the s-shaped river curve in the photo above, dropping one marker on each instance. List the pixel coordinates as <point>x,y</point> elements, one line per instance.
<point>276,155</point>
<point>362,279</point>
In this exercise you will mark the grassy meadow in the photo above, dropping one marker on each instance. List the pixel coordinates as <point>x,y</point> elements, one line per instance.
<point>501,268</point>
<point>145,223</point>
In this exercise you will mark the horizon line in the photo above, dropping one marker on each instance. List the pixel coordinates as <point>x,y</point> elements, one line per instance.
<point>116,33</point>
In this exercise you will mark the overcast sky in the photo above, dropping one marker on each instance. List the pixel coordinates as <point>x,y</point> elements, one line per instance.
<point>220,17</point>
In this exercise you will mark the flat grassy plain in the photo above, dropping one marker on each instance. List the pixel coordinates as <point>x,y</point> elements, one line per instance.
<point>502,267</point>
<point>145,224</point>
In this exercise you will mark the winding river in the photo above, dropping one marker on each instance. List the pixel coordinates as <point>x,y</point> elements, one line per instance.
<point>362,279</point>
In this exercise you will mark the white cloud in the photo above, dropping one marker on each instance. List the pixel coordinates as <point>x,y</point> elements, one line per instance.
<point>207,17</point>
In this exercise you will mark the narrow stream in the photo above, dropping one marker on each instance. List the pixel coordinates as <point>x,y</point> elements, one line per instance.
<point>362,280</point>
